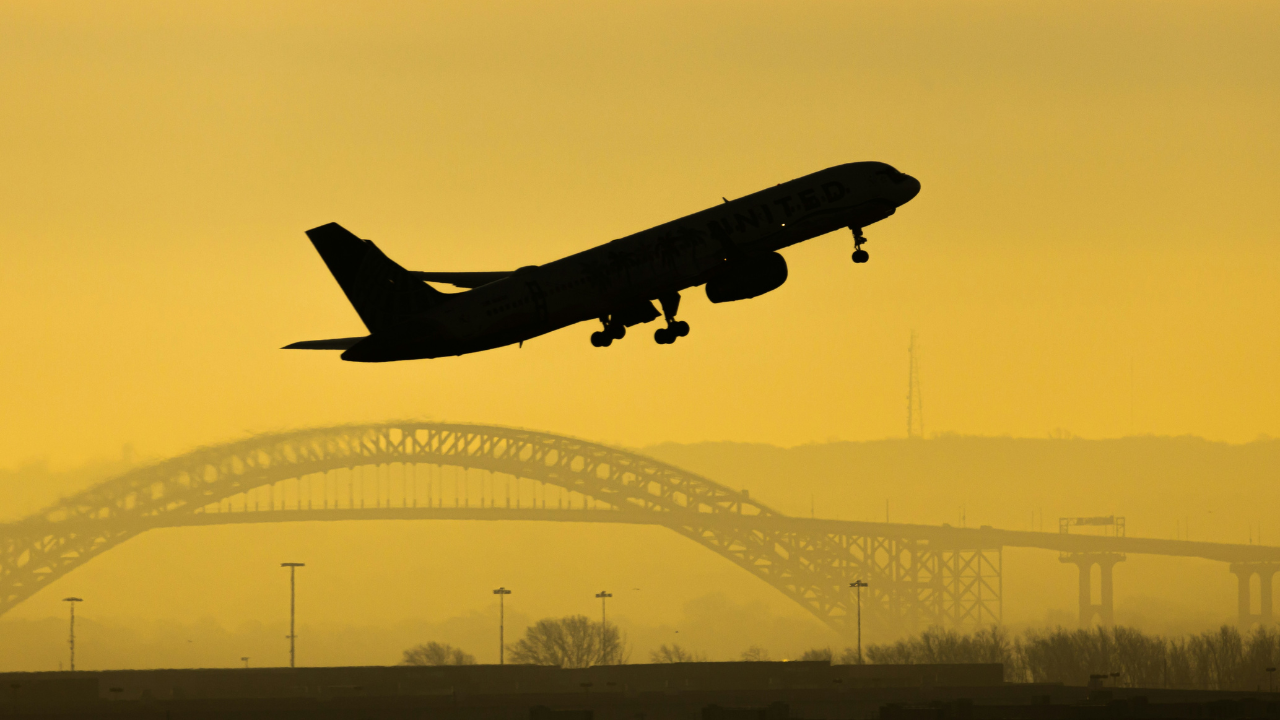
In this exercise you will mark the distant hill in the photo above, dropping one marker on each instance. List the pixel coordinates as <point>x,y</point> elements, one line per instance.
<point>1161,484</point>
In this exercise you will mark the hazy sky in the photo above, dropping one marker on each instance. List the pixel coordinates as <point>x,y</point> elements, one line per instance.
<point>1095,248</point>
<point>1097,230</point>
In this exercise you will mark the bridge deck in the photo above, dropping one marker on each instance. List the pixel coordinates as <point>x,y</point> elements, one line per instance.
<point>990,538</point>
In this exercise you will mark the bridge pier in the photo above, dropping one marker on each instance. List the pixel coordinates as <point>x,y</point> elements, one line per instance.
<point>1244,573</point>
<point>1104,610</point>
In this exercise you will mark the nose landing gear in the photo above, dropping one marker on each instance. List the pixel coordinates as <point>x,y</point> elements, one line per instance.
<point>675,328</point>
<point>859,255</point>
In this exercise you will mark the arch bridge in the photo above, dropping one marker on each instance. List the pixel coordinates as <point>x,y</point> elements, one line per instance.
<point>918,575</point>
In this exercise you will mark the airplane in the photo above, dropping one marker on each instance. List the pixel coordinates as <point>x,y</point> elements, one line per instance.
<point>731,248</point>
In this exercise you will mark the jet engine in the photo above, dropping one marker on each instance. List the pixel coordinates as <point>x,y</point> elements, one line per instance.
<point>748,278</point>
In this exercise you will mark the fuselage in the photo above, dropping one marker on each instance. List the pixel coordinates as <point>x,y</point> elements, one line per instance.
<point>639,268</point>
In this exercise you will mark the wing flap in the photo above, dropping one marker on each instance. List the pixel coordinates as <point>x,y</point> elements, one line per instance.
<point>467,280</point>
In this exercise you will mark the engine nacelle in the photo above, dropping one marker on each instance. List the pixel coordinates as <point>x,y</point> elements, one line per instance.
<point>743,279</point>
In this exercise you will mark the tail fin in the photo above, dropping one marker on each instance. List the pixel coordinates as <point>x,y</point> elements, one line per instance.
<point>382,292</point>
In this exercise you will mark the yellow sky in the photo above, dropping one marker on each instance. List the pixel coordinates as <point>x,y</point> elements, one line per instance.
<point>1099,195</point>
<point>1095,249</point>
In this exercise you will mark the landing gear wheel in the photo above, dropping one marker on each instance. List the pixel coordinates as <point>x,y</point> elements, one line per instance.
<point>611,331</point>
<point>859,255</point>
<point>675,328</point>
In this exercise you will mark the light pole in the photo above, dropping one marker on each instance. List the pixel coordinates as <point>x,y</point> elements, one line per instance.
<point>604,624</point>
<point>71,602</point>
<point>246,662</point>
<point>858,585</point>
<point>293,596</point>
<point>1271,673</point>
<point>502,594</point>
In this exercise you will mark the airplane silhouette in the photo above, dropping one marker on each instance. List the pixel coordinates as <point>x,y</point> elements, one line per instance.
<point>731,248</point>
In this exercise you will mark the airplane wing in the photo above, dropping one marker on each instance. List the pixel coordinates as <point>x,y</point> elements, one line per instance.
<point>466,280</point>
<point>331,344</point>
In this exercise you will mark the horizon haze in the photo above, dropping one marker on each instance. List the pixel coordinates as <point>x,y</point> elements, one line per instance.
<point>366,590</point>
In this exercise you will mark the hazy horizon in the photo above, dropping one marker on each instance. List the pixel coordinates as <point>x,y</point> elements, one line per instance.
<point>135,602</point>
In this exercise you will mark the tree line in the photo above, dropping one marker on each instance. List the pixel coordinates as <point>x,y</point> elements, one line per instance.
<point>1222,659</point>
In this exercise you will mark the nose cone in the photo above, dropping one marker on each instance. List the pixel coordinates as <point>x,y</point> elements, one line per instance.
<point>908,189</point>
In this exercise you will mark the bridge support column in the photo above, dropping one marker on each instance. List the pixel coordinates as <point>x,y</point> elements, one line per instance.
<point>1108,607</point>
<point>1086,592</point>
<point>1264,608</point>
<point>1244,573</point>
<point>1104,610</point>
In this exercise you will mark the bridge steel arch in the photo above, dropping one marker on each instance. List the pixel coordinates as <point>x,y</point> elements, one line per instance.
<point>302,475</point>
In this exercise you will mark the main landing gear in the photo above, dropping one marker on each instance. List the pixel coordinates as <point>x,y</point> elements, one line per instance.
<point>643,312</point>
<point>613,330</point>
<point>675,328</point>
<point>859,255</point>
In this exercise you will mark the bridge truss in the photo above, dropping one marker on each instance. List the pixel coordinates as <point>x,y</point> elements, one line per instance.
<point>416,470</point>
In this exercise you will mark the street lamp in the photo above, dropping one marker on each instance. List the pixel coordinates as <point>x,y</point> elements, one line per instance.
<point>604,596</point>
<point>71,602</point>
<point>293,595</point>
<point>246,662</point>
<point>858,585</point>
<point>502,594</point>
<point>1271,673</point>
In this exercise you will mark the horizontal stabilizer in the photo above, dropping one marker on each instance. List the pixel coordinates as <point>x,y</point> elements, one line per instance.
<point>330,344</point>
<point>466,280</point>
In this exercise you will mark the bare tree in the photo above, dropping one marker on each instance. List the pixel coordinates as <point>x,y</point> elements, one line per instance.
<point>941,645</point>
<point>755,653</point>
<point>434,653</point>
<point>673,653</point>
<point>817,654</point>
<point>571,642</point>
<point>849,656</point>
